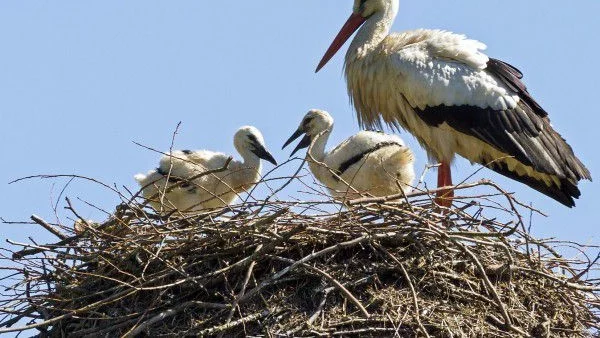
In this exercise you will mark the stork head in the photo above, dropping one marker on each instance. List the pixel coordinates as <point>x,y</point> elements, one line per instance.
<point>313,124</point>
<point>362,10</point>
<point>249,139</point>
<point>366,8</point>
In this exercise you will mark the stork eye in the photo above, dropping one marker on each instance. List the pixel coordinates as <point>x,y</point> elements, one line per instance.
<point>306,122</point>
<point>252,138</point>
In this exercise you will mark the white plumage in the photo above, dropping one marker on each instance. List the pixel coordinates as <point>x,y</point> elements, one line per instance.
<point>198,191</point>
<point>443,68</point>
<point>454,99</point>
<point>368,162</point>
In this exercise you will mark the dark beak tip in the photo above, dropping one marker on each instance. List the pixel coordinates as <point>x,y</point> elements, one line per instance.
<point>304,143</point>
<point>272,160</point>
<point>294,136</point>
<point>263,153</point>
<point>269,158</point>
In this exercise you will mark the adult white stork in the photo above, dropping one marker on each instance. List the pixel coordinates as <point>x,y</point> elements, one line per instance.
<point>366,163</point>
<point>443,89</point>
<point>199,191</point>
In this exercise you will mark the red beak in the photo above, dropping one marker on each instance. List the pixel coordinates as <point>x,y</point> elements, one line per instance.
<point>353,23</point>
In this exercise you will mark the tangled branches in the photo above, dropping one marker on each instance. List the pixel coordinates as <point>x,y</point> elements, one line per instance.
<point>376,267</point>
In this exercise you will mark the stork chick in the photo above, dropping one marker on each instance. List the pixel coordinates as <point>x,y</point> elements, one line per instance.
<point>368,162</point>
<point>199,191</point>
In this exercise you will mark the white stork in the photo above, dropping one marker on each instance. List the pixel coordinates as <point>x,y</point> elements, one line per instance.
<point>454,99</point>
<point>198,191</point>
<point>366,163</point>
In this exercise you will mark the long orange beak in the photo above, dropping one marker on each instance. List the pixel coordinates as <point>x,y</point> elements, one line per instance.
<point>351,25</point>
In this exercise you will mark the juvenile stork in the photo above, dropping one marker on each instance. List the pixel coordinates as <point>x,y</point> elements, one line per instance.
<point>443,89</point>
<point>199,191</point>
<point>368,162</point>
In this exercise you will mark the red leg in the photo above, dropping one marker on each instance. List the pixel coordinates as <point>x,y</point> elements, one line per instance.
<point>444,197</point>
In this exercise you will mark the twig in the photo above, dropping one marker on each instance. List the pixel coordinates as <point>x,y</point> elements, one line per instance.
<point>415,193</point>
<point>410,285</point>
<point>243,290</point>
<point>48,227</point>
<point>335,282</point>
<point>319,310</point>
<point>231,325</point>
<point>281,273</point>
<point>172,312</point>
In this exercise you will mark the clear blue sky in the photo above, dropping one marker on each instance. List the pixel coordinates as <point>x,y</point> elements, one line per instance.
<point>81,80</point>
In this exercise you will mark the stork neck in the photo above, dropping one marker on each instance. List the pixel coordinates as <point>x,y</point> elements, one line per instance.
<point>373,31</point>
<point>250,159</point>
<point>317,149</point>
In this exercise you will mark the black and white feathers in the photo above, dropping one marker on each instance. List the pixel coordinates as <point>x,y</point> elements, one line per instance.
<point>180,183</point>
<point>368,162</point>
<point>454,99</point>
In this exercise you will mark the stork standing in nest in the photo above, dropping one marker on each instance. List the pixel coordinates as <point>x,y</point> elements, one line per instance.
<point>454,99</point>
<point>369,162</point>
<point>180,181</point>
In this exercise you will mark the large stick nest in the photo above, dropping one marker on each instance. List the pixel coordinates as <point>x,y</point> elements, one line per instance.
<point>374,267</point>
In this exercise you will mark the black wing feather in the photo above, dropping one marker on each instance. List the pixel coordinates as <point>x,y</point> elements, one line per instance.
<point>511,77</point>
<point>563,194</point>
<point>523,132</point>
<point>173,179</point>
<point>358,157</point>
